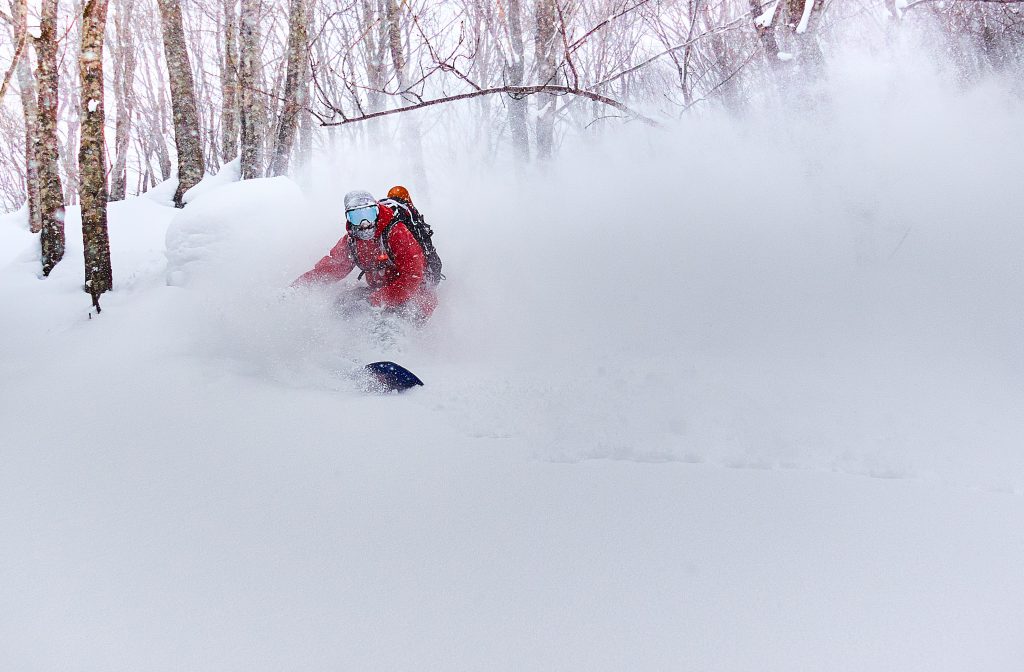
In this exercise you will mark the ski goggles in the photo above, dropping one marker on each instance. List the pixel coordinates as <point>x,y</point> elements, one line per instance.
<point>362,218</point>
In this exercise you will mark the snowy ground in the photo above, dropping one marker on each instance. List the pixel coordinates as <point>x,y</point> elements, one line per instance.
<point>722,400</point>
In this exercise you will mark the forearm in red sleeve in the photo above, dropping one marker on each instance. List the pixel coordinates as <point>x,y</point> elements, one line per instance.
<point>331,268</point>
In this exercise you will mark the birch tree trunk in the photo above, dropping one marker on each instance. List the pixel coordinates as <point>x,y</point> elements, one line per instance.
<point>51,191</point>
<point>306,130</point>
<point>516,71</point>
<point>163,156</point>
<point>30,108</point>
<point>374,47</point>
<point>183,100</point>
<point>251,117</point>
<point>91,153</point>
<point>295,87</point>
<point>229,85</point>
<point>124,80</point>
<point>547,73</point>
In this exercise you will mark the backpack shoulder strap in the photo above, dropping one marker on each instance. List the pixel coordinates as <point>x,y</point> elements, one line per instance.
<point>352,249</point>
<point>400,215</point>
<point>385,238</point>
<point>355,257</point>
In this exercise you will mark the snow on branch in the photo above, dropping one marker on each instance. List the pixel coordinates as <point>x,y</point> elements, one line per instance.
<point>768,18</point>
<point>805,17</point>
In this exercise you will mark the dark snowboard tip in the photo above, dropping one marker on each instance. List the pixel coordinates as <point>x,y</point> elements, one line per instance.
<point>392,377</point>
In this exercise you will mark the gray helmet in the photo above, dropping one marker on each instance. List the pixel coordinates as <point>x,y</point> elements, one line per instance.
<point>359,199</point>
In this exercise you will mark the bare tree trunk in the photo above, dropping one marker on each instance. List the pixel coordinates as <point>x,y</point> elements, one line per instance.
<point>804,17</point>
<point>374,49</point>
<point>765,27</point>
<point>157,112</point>
<point>30,108</point>
<point>69,150</point>
<point>124,80</point>
<point>91,154</point>
<point>295,87</point>
<point>51,192</point>
<point>252,121</point>
<point>412,137</point>
<point>516,72</point>
<point>306,129</point>
<point>229,85</point>
<point>183,100</point>
<point>547,73</point>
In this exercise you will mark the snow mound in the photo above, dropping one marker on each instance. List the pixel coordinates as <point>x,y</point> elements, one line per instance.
<point>229,172</point>
<point>15,238</point>
<point>234,238</point>
<point>163,193</point>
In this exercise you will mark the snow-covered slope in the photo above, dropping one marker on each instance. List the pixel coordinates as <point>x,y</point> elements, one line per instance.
<point>721,397</point>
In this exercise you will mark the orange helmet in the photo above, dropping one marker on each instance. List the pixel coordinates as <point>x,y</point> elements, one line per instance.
<point>400,193</point>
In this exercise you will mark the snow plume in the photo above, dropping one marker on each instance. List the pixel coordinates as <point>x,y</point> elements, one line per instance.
<point>823,289</point>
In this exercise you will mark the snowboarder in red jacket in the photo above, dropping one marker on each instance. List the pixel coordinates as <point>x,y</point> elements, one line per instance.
<point>390,258</point>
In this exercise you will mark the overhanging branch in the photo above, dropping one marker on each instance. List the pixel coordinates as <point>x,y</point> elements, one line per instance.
<point>514,91</point>
<point>994,2</point>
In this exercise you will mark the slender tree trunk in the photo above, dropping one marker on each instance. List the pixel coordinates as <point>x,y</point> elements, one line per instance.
<point>517,106</point>
<point>69,151</point>
<point>374,45</point>
<point>410,128</point>
<point>51,192</point>
<point>295,87</point>
<point>70,104</point>
<point>252,122</point>
<point>163,156</point>
<point>765,28</point>
<point>30,108</point>
<point>306,130</point>
<point>183,100</point>
<point>547,73</point>
<point>229,85</point>
<point>19,26</point>
<point>124,79</point>
<point>156,111</point>
<point>91,154</point>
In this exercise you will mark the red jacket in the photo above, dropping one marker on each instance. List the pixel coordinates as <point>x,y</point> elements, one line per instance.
<point>395,281</point>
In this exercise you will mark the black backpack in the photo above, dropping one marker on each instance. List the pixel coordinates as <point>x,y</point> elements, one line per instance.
<point>420,230</point>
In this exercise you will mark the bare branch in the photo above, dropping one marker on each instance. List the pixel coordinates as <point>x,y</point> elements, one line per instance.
<point>565,44</point>
<point>513,91</point>
<point>578,43</point>
<point>732,25</point>
<point>995,2</point>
